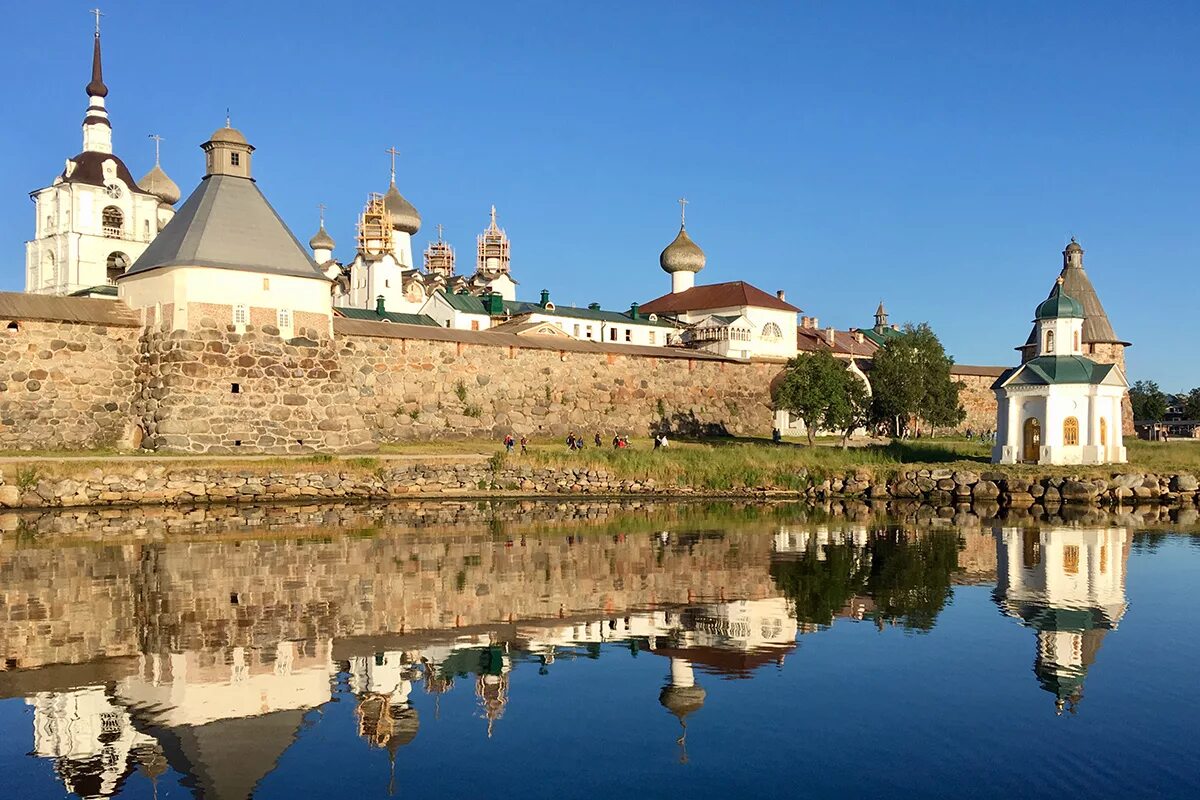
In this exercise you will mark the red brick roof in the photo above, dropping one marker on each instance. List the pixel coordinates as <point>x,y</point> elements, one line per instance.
<point>812,340</point>
<point>713,296</point>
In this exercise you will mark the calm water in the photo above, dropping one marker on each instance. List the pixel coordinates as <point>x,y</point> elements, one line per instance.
<point>594,651</point>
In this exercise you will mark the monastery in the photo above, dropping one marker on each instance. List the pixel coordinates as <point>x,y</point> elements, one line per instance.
<point>312,337</point>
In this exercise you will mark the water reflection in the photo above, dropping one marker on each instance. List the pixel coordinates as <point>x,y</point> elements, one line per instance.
<point>209,656</point>
<point>1068,584</point>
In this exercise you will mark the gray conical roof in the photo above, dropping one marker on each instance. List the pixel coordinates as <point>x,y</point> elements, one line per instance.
<point>227,223</point>
<point>682,255</point>
<point>1076,284</point>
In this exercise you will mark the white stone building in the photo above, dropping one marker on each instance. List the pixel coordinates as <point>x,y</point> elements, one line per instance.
<point>1060,407</point>
<point>94,220</point>
<point>731,319</point>
<point>229,257</point>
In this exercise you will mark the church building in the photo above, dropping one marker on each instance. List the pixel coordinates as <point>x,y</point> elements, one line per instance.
<point>1060,407</point>
<point>732,319</point>
<point>94,220</point>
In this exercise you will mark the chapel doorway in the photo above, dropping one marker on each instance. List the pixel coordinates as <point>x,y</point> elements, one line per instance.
<point>1033,440</point>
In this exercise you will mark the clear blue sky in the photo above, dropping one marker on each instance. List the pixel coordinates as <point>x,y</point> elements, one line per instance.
<point>937,155</point>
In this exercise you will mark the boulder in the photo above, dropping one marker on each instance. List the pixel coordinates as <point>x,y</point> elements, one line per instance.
<point>1076,491</point>
<point>985,490</point>
<point>1184,483</point>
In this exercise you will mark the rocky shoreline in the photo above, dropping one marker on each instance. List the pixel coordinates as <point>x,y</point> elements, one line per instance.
<point>162,484</point>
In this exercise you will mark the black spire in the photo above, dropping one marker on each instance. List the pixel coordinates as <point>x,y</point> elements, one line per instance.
<point>96,87</point>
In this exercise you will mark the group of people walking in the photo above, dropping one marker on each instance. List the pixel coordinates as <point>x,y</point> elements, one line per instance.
<point>576,442</point>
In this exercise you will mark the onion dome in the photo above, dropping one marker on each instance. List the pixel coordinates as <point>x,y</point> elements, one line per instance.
<point>682,700</point>
<point>682,255</point>
<point>402,214</point>
<point>1059,305</point>
<point>158,184</point>
<point>321,240</point>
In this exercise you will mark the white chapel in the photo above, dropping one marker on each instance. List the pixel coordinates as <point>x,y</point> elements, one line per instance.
<point>1059,407</point>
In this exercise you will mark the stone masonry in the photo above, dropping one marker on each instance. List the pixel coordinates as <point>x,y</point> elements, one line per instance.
<point>65,385</point>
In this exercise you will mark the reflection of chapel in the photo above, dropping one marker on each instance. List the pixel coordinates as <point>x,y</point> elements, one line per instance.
<point>1068,584</point>
<point>1061,406</point>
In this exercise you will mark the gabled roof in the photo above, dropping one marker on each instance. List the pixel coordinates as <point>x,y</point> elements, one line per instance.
<point>521,326</point>
<point>466,303</point>
<point>227,223</point>
<point>812,340</point>
<point>1052,370</point>
<point>716,295</point>
<point>386,316</point>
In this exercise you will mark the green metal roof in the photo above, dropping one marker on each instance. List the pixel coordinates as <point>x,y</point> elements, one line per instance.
<point>1059,305</point>
<point>516,307</point>
<point>879,337</point>
<point>387,316</point>
<point>466,303</point>
<point>1049,370</point>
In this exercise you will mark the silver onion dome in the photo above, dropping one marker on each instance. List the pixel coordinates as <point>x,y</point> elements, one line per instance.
<point>401,214</point>
<point>682,255</point>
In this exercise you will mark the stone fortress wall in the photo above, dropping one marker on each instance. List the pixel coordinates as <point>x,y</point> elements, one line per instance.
<point>108,382</point>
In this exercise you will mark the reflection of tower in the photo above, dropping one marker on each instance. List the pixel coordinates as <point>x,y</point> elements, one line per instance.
<point>491,685</point>
<point>682,697</point>
<point>1068,584</point>
<point>92,740</point>
<point>385,722</point>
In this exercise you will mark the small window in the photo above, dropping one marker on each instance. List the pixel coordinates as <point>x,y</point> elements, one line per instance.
<point>652,337</point>
<point>589,332</point>
<point>576,329</point>
<point>266,284</point>
<point>12,327</point>
<point>612,334</point>
<point>1076,341</point>
<point>241,316</point>
<point>235,388</point>
<point>1049,341</point>
<point>387,284</point>
<point>283,321</point>
<point>474,324</point>
<point>1070,431</point>
<point>235,159</point>
<point>628,335</point>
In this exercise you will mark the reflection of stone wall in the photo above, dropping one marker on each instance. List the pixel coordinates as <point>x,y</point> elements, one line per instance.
<point>72,603</point>
<point>65,385</point>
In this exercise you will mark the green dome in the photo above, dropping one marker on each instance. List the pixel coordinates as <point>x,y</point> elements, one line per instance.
<point>1059,305</point>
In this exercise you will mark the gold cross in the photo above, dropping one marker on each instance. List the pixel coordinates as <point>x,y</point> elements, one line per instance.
<point>96,11</point>
<point>157,141</point>
<point>394,152</point>
<point>683,201</point>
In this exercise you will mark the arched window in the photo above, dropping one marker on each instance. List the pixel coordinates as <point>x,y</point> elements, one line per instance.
<point>1049,341</point>
<point>116,265</point>
<point>1076,341</point>
<point>771,332</point>
<point>1104,431</point>
<point>112,222</point>
<point>1070,431</point>
<point>49,269</point>
<point>12,327</point>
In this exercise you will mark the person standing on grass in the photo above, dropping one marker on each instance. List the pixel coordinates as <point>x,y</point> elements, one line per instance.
<point>599,441</point>
<point>508,443</point>
<point>657,442</point>
<point>524,445</point>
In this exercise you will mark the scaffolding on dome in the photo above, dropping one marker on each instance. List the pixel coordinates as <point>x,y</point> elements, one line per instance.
<point>374,229</point>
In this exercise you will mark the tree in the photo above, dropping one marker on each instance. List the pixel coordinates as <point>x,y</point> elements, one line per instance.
<point>1191,404</point>
<point>1148,401</point>
<point>818,389</point>
<point>855,409</point>
<point>910,377</point>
